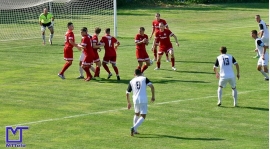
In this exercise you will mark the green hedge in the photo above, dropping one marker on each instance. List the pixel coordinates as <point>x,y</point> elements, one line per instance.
<point>121,3</point>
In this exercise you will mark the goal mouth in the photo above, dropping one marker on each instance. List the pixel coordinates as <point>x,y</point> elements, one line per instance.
<point>20,19</point>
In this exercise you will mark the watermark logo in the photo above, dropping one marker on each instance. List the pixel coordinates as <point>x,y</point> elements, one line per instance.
<point>10,141</point>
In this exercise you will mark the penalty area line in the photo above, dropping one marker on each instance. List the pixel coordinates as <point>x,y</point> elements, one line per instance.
<point>109,111</point>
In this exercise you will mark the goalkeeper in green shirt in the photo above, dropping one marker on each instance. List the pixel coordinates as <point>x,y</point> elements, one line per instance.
<point>46,19</point>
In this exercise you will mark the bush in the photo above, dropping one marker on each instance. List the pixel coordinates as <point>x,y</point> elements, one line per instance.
<point>130,3</point>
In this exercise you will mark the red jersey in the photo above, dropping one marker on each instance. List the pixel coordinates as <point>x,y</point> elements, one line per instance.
<point>138,38</point>
<point>109,42</point>
<point>163,38</point>
<point>87,43</point>
<point>95,40</point>
<point>155,24</point>
<point>69,36</point>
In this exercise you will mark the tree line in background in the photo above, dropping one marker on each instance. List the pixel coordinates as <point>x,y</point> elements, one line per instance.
<point>179,2</point>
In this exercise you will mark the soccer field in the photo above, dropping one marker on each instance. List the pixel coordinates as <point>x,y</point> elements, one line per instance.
<point>74,114</point>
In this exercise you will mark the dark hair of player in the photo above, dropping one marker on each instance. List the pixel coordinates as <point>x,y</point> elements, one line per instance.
<point>254,32</point>
<point>142,29</point>
<point>69,23</point>
<point>158,14</point>
<point>138,72</point>
<point>107,30</point>
<point>97,30</point>
<point>84,29</point>
<point>223,50</point>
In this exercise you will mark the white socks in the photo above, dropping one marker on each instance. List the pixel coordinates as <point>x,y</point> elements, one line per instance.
<point>135,119</point>
<point>43,38</point>
<point>138,123</point>
<point>219,93</point>
<point>234,94</point>
<point>81,71</point>
<point>264,74</point>
<point>51,36</point>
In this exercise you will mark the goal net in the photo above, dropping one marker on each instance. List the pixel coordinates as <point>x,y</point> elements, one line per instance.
<point>19,19</point>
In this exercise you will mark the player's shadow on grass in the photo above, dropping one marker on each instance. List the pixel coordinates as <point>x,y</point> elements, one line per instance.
<point>161,81</point>
<point>251,108</point>
<point>255,108</point>
<point>176,137</point>
<point>181,71</point>
<point>196,62</point>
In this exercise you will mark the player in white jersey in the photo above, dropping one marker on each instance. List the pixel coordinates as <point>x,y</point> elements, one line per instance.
<point>264,57</point>
<point>138,85</point>
<point>226,74</point>
<point>82,59</point>
<point>264,32</point>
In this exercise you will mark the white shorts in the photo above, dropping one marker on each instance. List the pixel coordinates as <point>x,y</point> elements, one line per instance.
<point>141,108</point>
<point>264,62</point>
<point>82,57</point>
<point>265,40</point>
<point>223,81</point>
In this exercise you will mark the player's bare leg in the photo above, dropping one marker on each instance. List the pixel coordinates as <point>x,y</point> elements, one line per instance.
<point>140,64</point>
<point>145,66</point>
<point>51,35</point>
<point>159,56</point>
<point>172,59</point>
<point>264,72</point>
<point>167,57</point>
<point>155,54</point>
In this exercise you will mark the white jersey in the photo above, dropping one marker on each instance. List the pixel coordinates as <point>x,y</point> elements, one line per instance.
<point>225,61</point>
<point>138,85</point>
<point>259,45</point>
<point>263,27</point>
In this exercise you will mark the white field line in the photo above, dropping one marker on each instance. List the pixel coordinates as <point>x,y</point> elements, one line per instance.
<point>108,111</point>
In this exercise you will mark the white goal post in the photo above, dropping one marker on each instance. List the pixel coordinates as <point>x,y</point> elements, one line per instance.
<point>19,18</point>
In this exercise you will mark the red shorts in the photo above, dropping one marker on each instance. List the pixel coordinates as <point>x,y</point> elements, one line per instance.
<point>111,59</point>
<point>142,56</point>
<point>87,60</point>
<point>96,57</point>
<point>162,51</point>
<point>68,54</point>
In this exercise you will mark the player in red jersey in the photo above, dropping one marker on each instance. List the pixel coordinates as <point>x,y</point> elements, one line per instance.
<point>141,40</point>
<point>96,48</point>
<point>110,46</point>
<point>68,49</point>
<point>155,25</point>
<point>165,46</point>
<point>86,46</point>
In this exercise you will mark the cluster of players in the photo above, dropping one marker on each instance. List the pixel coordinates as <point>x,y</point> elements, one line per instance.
<point>90,45</point>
